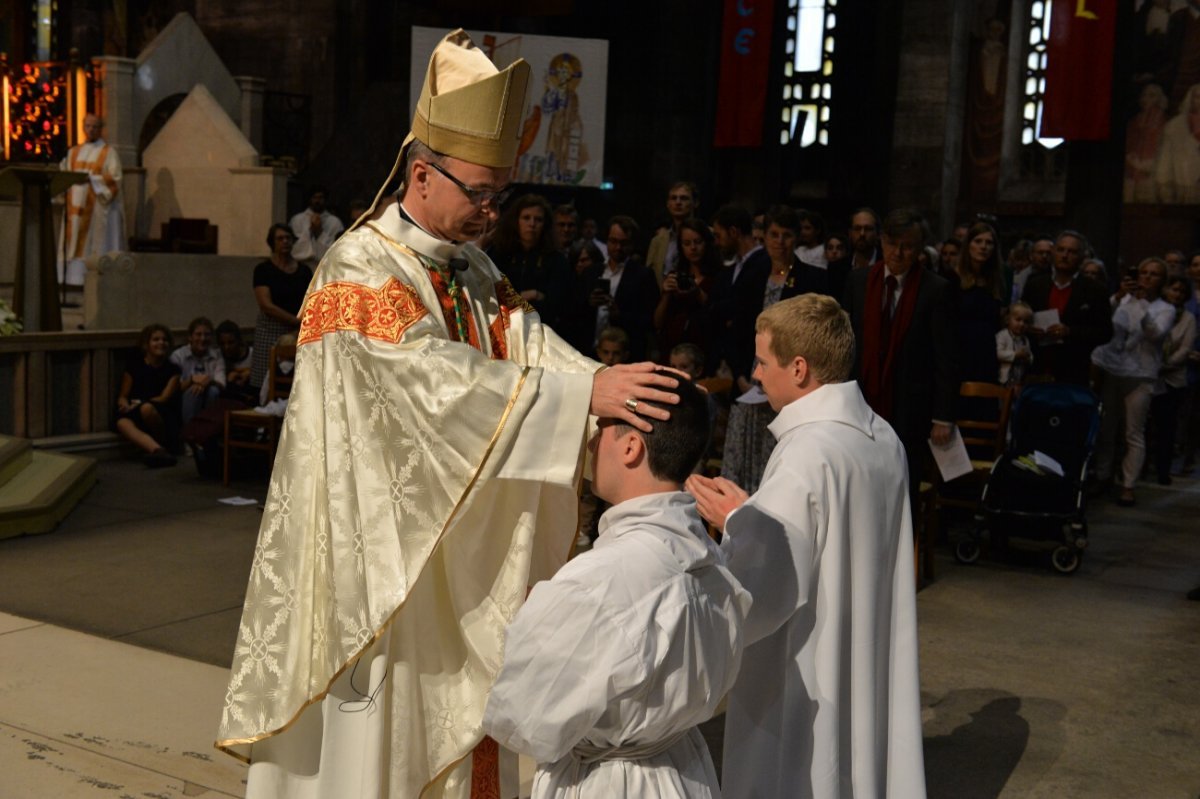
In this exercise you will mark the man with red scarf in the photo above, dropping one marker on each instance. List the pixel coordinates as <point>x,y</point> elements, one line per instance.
<point>906,360</point>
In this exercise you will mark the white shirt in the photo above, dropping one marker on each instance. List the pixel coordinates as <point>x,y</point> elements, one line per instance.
<point>306,248</point>
<point>813,256</point>
<point>1135,349</point>
<point>614,279</point>
<point>633,643</point>
<point>740,262</point>
<point>212,364</point>
<point>827,704</point>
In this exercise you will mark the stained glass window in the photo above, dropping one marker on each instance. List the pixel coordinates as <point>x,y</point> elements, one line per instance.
<point>807,72</point>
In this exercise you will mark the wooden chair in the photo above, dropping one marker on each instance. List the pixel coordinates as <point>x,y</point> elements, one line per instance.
<point>260,431</point>
<point>984,436</point>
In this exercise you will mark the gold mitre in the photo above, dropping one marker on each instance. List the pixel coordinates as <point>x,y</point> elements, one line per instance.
<point>468,109</point>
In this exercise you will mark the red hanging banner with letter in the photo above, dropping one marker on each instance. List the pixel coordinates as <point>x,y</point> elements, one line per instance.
<point>1079,59</point>
<point>745,61</point>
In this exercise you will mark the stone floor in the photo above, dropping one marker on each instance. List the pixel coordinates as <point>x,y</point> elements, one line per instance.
<point>116,629</point>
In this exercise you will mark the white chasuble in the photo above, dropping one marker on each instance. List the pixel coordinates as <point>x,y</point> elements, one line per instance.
<point>93,222</point>
<point>827,705</point>
<point>421,485</point>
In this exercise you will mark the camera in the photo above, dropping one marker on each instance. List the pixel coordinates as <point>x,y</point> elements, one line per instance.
<point>684,281</point>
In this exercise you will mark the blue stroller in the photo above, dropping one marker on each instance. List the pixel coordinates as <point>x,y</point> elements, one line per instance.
<point>1036,488</point>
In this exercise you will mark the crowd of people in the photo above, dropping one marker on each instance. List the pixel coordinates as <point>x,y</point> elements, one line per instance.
<point>1050,310</point>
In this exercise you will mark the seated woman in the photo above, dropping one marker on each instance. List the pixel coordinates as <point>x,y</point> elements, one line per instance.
<point>145,415</point>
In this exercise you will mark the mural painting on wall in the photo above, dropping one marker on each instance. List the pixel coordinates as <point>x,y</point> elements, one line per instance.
<point>984,119</point>
<point>562,135</point>
<point>1162,141</point>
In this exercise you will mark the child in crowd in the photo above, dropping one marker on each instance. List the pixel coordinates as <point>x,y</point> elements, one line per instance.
<point>146,403</point>
<point>1012,346</point>
<point>612,346</point>
<point>690,359</point>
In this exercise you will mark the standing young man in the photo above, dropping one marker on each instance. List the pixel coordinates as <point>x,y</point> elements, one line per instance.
<point>827,703</point>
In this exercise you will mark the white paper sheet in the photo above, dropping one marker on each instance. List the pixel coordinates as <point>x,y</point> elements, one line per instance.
<point>1044,320</point>
<point>238,501</point>
<point>1047,463</point>
<point>952,459</point>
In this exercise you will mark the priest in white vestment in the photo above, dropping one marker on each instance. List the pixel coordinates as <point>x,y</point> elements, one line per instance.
<point>93,222</point>
<point>315,229</point>
<point>609,666</point>
<point>828,701</point>
<point>427,474</point>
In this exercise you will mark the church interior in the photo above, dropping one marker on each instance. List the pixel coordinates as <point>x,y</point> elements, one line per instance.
<point>122,585</point>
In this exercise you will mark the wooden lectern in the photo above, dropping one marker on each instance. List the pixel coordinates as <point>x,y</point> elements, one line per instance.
<point>35,291</point>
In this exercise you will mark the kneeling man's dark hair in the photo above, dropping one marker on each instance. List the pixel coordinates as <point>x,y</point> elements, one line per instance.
<point>675,446</point>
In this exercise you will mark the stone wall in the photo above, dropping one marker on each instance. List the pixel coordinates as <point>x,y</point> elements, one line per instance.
<point>129,290</point>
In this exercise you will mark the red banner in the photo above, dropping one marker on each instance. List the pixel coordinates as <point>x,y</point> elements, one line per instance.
<point>745,61</point>
<point>1079,58</point>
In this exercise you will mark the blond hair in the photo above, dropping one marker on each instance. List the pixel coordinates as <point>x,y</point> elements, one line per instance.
<point>814,327</point>
<point>1019,307</point>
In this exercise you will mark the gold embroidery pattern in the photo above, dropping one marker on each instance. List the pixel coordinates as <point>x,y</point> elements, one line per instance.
<point>510,299</point>
<point>383,314</point>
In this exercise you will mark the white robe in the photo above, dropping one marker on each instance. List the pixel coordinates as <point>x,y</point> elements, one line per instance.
<point>632,643</point>
<point>308,249</point>
<point>412,502</point>
<point>828,700</point>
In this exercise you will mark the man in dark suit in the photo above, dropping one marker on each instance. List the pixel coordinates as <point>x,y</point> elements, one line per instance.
<point>621,292</point>
<point>738,295</point>
<point>1085,316</point>
<point>904,330</point>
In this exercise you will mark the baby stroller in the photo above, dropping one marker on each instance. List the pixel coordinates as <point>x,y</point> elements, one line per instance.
<point>1035,489</point>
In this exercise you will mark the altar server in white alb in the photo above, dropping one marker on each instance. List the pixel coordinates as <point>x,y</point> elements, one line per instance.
<point>609,666</point>
<point>94,223</point>
<point>828,701</point>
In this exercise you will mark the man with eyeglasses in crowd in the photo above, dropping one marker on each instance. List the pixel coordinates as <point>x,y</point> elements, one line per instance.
<point>426,476</point>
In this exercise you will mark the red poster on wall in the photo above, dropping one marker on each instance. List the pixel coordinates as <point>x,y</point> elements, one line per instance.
<point>1079,58</point>
<point>745,61</point>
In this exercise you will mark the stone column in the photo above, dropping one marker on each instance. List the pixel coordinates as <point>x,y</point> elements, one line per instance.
<point>252,109</point>
<point>121,123</point>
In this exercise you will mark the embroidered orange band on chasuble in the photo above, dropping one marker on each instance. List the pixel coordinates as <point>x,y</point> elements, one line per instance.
<point>510,301</point>
<point>383,314</point>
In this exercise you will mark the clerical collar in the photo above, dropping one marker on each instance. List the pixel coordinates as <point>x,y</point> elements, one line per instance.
<point>407,217</point>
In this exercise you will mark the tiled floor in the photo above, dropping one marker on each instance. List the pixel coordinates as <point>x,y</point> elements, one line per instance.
<point>82,716</point>
<point>1033,684</point>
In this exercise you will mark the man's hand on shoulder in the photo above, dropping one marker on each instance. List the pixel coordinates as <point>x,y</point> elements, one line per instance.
<point>716,498</point>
